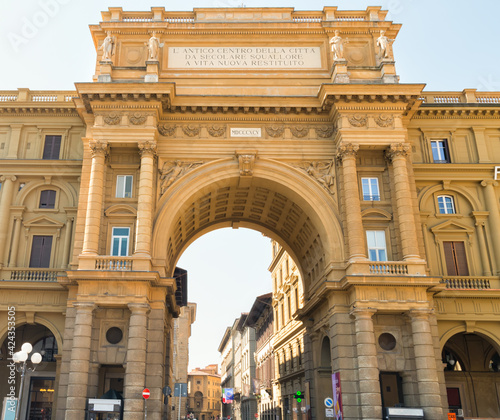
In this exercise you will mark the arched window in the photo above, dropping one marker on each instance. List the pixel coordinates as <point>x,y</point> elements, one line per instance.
<point>446,204</point>
<point>47,347</point>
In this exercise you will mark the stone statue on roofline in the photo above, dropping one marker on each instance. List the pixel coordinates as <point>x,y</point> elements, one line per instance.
<point>108,47</point>
<point>153,47</point>
<point>337,44</point>
<point>384,44</point>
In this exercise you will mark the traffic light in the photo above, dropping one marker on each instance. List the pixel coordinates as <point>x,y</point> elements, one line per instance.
<point>298,396</point>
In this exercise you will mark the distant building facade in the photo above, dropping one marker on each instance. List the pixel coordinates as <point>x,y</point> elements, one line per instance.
<point>261,319</point>
<point>180,359</point>
<point>204,393</point>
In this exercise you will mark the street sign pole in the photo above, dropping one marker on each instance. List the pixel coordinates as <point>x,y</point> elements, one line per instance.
<point>179,408</point>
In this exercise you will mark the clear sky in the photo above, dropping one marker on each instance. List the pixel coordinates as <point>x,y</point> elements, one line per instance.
<point>46,45</point>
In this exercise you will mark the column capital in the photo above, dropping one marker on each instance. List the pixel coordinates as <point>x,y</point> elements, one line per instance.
<point>487,182</point>
<point>84,306</point>
<point>347,150</point>
<point>420,313</point>
<point>4,178</point>
<point>139,307</point>
<point>397,150</point>
<point>147,148</point>
<point>363,313</point>
<point>98,147</point>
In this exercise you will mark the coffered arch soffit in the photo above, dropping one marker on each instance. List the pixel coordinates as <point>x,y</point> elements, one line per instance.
<point>277,200</point>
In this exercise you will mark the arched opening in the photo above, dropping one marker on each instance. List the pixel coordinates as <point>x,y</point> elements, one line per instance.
<point>471,370</point>
<point>283,203</point>
<point>39,390</point>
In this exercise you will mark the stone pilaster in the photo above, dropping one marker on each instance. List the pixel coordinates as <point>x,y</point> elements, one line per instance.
<point>494,217</point>
<point>155,370</point>
<point>135,369</point>
<point>80,362</point>
<point>368,372</point>
<point>145,199</point>
<point>480,218</point>
<point>398,154</point>
<point>67,241</point>
<point>18,220</point>
<point>5,203</point>
<point>354,223</point>
<point>425,365</point>
<point>342,341</point>
<point>94,204</point>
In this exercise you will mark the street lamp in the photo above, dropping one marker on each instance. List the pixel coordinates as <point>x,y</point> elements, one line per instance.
<point>20,359</point>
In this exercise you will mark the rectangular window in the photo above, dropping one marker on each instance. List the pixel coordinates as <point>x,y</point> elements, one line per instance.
<point>41,248</point>
<point>51,147</point>
<point>370,189</point>
<point>47,199</point>
<point>446,204</point>
<point>456,259</point>
<point>440,151</point>
<point>119,241</point>
<point>376,245</point>
<point>124,186</point>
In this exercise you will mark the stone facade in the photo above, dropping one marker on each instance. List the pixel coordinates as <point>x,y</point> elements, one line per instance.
<point>384,196</point>
<point>204,393</point>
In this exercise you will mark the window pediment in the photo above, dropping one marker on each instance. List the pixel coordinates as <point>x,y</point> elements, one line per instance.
<point>43,221</point>
<point>120,210</point>
<point>451,226</point>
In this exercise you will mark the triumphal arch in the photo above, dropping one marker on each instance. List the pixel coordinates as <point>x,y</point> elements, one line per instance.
<point>290,123</point>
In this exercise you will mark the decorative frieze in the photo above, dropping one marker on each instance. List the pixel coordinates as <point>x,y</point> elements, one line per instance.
<point>275,130</point>
<point>137,118</point>
<point>357,120</point>
<point>191,130</point>
<point>384,120</point>
<point>216,130</point>
<point>166,130</point>
<point>324,131</point>
<point>300,131</point>
<point>112,118</point>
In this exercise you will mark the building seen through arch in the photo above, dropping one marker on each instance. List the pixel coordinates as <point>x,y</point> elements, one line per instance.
<point>381,199</point>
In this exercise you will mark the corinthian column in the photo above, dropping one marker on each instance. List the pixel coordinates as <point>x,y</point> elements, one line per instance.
<point>143,230</point>
<point>494,217</point>
<point>94,204</point>
<point>5,203</point>
<point>398,153</point>
<point>368,372</point>
<point>425,365</point>
<point>18,220</point>
<point>346,153</point>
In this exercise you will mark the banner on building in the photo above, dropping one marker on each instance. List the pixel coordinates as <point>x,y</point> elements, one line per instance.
<point>228,396</point>
<point>337,397</point>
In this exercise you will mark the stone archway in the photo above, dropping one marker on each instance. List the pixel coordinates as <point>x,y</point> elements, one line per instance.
<point>278,200</point>
<point>471,365</point>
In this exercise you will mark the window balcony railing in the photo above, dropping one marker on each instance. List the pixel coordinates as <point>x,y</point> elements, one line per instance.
<point>31,274</point>
<point>471,282</point>
<point>387,268</point>
<point>114,263</point>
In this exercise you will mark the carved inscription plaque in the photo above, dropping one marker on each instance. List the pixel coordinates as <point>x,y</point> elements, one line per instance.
<point>278,57</point>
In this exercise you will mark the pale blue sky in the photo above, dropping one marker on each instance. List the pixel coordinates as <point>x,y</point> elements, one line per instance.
<point>447,44</point>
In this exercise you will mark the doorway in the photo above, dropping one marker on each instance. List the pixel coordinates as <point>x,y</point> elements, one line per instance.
<point>391,389</point>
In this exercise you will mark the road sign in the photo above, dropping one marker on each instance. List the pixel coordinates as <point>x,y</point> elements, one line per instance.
<point>328,402</point>
<point>256,415</point>
<point>180,390</point>
<point>329,412</point>
<point>146,393</point>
